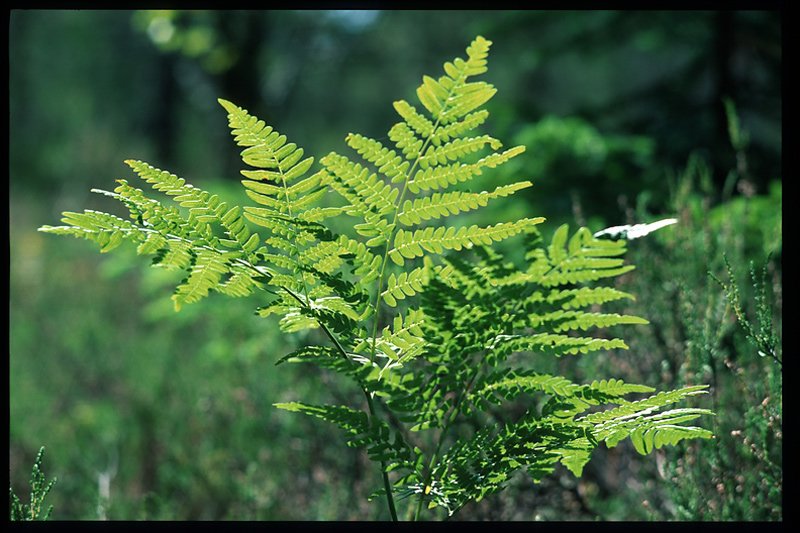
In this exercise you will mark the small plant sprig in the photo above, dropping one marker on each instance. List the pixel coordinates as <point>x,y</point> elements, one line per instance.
<point>40,487</point>
<point>434,326</point>
<point>761,334</point>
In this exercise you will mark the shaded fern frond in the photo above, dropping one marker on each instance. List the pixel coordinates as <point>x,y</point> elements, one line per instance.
<point>382,443</point>
<point>475,468</point>
<point>507,384</point>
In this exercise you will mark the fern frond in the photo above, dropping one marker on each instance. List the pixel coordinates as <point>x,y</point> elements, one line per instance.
<point>265,147</point>
<point>508,383</point>
<point>177,255</point>
<point>560,320</point>
<point>645,425</point>
<point>584,258</point>
<point>450,97</point>
<point>405,339</point>
<point>204,208</point>
<point>385,160</point>
<point>616,387</point>
<point>441,177</point>
<point>442,205</point>
<point>586,296</point>
<point>456,150</point>
<point>294,199</point>
<point>324,256</point>
<point>459,128</point>
<point>152,244</point>
<point>306,249</point>
<point>364,189</point>
<point>554,344</point>
<point>239,283</point>
<point>406,284</point>
<point>382,443</point>
<point>408,245</point>
<point>418,122</point>
<point>475,468</point>
<point>206,273</point>
<point>367,265</point>
<point>294,317</point>
<point>432,363</point>
<point>288,198</point>
<point>167,220</point>
<point>108,231</point>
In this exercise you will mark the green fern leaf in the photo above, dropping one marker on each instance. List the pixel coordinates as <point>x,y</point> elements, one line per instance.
<point>366,189</point>
<point>456,150</point>
<point>457,129</point>
<point>420,124</point>
<point>409,245</point>
<point>406,284</point>
<point>383,444</point>
<point>507,384</point>
<point>206,273</point>
<point>560,320</point>
<point>642,421</point>
<point>178,255</point>
<point>442,205</point>
<point>441,177</point>
<point>445,341</point>
<point>385,160</point>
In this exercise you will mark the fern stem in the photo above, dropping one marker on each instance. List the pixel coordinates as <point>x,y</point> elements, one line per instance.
<point>387,485</point>
<point>399,203</point>
<point>451,416</point>
<point>295,247</point>
<point>371,406</point>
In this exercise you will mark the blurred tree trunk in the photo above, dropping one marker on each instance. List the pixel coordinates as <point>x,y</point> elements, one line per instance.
<point>724,87</point>
<point>240,82</point>
<point>163,116</point>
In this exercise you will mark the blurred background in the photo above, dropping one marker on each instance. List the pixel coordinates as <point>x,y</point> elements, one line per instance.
<point>626,117</point>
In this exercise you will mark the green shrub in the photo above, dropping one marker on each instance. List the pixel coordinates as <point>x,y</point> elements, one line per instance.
<point>711,322</point>
<point>40,487</point>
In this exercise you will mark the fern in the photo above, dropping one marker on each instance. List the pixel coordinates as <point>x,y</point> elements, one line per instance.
<point>431,336</point>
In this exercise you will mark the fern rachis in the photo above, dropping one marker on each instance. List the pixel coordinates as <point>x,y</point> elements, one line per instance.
<point>431,339</point>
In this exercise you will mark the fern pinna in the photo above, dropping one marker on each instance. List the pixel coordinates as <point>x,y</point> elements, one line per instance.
<point>431,339</point>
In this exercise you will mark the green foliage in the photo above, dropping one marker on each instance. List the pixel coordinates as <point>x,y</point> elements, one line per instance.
<point>762,335</point>
<point>40,487</point>
<point>466,329</point>
<point>712,287</point>
<point>481,318</point>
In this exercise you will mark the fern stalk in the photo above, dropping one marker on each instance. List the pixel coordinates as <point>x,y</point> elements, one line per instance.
<point>389,240</point>
<point>384,474</point>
